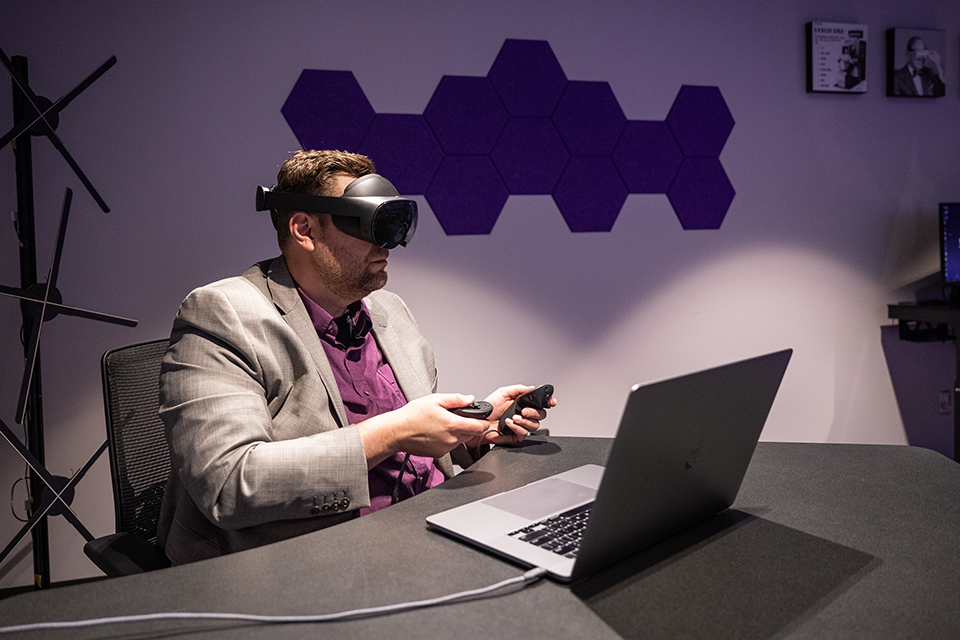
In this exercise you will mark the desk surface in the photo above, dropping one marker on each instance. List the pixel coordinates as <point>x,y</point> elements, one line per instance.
<point>823,541</point>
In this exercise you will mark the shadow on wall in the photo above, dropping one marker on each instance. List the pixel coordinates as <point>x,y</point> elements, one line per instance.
<point>921,372</point>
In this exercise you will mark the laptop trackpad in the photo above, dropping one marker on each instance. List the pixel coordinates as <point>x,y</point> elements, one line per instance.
<point>540,499</point>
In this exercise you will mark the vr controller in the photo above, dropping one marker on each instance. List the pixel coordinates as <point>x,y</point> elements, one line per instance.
<point>479,410</point>
<point>538,398</point>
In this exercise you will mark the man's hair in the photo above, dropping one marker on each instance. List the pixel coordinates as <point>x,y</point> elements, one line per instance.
<point>912,42</point>
<point>312,173</point>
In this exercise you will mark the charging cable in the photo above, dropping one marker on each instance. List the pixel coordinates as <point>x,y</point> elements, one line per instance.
<point>527,578</point>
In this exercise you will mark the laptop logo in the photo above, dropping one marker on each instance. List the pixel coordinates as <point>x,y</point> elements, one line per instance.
<point>693,457</point>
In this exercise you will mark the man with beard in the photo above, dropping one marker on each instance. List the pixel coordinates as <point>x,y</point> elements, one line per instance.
<point>301,394</point>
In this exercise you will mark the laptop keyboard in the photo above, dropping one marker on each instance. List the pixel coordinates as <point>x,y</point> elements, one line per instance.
<point>560,534</point>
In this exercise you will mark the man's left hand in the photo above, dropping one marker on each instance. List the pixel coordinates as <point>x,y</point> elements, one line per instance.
<point>520,426</point>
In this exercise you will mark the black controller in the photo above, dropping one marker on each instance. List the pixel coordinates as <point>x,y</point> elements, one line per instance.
<point>480,410</point>
<point>538,398</point>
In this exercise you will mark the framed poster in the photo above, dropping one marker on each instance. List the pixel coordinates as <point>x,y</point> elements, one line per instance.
<point>915,63</point>
<point>836,57</point>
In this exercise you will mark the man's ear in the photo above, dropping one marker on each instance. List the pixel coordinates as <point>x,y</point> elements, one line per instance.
<point>303,229</point>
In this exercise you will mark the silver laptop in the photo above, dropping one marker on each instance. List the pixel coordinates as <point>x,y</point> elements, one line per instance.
<point>678,458</point>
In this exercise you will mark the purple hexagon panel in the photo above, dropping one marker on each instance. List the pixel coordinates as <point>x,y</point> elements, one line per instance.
<point>700,121</point>
<point>530,156</point>
<point>528,78</point>
<point>327,110</point>
<point>405,149</point>
<point>590,194</point>
<point>467,195</point>
<point>526,129</point>
<point>647,156</point>
<point>701,193</point>
<point>466,115</point>
<point>589,118</point>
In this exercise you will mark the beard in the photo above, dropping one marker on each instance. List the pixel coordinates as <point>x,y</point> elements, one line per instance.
<point>347,275</point>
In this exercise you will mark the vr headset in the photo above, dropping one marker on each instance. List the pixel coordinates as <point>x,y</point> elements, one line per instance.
<point>369,209</point>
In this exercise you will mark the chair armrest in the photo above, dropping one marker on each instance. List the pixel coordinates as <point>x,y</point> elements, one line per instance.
<point>123,554</point>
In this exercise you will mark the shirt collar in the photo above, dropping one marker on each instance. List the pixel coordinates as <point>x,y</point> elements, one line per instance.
<point>347,330</point>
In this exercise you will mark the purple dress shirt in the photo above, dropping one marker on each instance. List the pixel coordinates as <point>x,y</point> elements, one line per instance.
<point>368,388</point>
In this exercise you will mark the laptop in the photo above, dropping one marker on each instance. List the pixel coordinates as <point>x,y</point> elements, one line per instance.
<point>678,458</point>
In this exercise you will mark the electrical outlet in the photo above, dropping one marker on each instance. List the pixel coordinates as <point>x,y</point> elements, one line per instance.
<point>946,402</point>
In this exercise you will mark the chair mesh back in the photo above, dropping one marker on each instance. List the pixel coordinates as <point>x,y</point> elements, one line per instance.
<point>139,458</point>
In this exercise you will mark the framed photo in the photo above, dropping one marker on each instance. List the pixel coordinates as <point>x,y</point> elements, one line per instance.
<point>836,57</point>
<point>915,63</point>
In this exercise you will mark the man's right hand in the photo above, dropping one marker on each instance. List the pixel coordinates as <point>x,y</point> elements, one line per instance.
<point>422,427</point>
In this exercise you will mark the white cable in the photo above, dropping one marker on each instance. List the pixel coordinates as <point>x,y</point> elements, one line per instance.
<point>527,578</point>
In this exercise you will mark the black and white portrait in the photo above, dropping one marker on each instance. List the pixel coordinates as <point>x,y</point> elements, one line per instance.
<point>916,63</point>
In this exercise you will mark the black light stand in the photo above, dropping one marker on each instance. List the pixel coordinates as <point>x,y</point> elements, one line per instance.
<point>49,495</point>
<point>33,421</point>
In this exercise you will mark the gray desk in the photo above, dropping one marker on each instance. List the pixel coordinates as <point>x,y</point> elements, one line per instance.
<point>824,541</point>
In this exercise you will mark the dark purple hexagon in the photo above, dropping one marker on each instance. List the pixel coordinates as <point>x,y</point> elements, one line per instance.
<point>647,156</point>
<point>589,118</point>
<point>701,193</point>
<point>700,121</point>
<point>530,155</point>
<point>590,194</point>
<point>404,150</point>
<point>327,110</point>
<point>527,77</point>
<point>467,195</point>
<point>466,115</point>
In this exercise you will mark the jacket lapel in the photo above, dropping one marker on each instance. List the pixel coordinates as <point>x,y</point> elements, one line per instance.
<point>283,292</point>
<point>395,354</point>
<point>409,378</point>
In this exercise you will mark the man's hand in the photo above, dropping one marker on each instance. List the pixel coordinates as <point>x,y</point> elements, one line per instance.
<point>933,62</point>
<point>521,425</point>
<point>422,427</point>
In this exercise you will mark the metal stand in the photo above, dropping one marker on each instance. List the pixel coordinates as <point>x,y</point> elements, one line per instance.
<point>49,495</point>
<point>23,157</point>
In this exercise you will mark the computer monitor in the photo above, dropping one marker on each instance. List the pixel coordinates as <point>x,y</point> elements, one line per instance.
<point>950,249</point>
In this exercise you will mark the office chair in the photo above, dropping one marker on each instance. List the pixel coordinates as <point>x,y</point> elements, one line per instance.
<point>139,459</point>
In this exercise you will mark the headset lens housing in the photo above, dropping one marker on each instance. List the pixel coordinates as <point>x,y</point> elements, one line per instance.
<point>394,223</point>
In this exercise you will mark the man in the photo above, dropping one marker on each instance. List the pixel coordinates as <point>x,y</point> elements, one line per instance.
<point>301,394</point>
<point>922,75</point>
